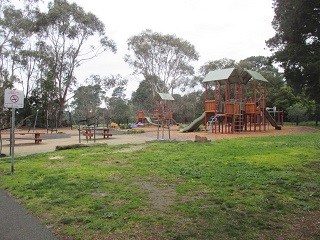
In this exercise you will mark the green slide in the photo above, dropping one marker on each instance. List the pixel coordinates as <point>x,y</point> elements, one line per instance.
<point>194,124</point>
<point>271,120</point>
<point>150,121</point>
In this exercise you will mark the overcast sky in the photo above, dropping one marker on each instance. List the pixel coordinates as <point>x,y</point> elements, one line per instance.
<point>234,29</point>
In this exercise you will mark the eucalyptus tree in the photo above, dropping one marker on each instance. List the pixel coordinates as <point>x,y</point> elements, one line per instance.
<point>142,98</point>
<point>215,65</point>
<point>107,83</point>
<point>210,66</point>
<point>16,28</point>
<point>162,59</point>
<point>67,29</point>
<point>86,100</point>
<point>296,45</point>
<point>117,105</point>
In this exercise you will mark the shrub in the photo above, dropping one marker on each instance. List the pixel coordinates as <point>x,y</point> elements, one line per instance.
<point>297,113</point>
<point>124,126</point>
<point>130,131</point>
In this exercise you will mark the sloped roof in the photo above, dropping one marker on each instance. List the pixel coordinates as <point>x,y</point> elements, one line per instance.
<point>166,96</point>
<point>233,75</point>
<point>255,75</point>
<point>230,74</point>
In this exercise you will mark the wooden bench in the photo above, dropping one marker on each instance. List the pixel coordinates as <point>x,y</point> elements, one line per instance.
<point>52,130</point>
<point>106,135</point>
<point>36,140</point>
<point>89,132</point>
<point>35,136</point>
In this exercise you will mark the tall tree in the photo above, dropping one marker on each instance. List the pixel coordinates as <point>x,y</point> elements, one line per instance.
<point>211,66</point>
<point>296,44</point>
<point>215,65</point>
<point>86,100</point>
<point>117,105</point>
<point>163,60</point>
<point>13,33</point>
<point>142,98</point>
<point>67,28</point>
<point>16,27</point>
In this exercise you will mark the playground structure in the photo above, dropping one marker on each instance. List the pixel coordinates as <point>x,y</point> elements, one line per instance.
<point>235,101</point>
<point>163,111</point>
<point>162,114</point>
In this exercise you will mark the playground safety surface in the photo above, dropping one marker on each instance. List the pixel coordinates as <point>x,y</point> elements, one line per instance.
<point>68,137</point>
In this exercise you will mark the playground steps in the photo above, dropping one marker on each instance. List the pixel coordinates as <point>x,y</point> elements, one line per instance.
<point>238,123</point>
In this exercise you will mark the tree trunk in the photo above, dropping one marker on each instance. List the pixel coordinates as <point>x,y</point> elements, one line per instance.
<point>317,112</point>
<point>60,113</point>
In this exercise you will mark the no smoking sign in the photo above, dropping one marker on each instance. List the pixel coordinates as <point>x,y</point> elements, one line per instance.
<point>13,98</point>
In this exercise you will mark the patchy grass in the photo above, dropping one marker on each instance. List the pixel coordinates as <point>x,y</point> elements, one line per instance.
<point>307,124</point>
<point>133,131</point>
<point>250,188</point>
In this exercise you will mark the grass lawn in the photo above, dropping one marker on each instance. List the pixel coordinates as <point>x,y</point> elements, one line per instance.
<point>245,188</point>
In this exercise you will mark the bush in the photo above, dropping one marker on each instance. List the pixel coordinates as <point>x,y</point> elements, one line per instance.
<point>297,113</point>
<point>134,131</point>
<point>124,126</point>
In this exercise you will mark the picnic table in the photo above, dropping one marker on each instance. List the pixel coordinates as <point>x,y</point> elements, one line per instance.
<point>36,136</point>
<point>90,131</point>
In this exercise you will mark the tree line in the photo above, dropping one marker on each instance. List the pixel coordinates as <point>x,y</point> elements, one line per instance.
<point>42,50</point>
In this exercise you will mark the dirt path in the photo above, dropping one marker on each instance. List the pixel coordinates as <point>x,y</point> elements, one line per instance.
<point>68,137</point>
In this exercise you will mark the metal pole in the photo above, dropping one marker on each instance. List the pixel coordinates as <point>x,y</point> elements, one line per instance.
<point>34,126</point>
<point>169,128</point>
<point>79,130</point>
<point>94,130</point>
<point>70,119</point>
<point>12,139</point>
<point>47,122</point>
<point>158,128</point>
<point>57,120</point>
<point>162,123</point>
<point>0,144</point>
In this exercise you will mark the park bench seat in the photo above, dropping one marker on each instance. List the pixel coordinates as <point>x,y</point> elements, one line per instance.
<point>107,135</point>
<point>36,140</point>
<point>90,135</point>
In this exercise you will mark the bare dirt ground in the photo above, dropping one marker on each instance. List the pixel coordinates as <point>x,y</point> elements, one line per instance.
<point>69,137</point>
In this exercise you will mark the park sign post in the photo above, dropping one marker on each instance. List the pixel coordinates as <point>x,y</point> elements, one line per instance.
<point>13,99</point>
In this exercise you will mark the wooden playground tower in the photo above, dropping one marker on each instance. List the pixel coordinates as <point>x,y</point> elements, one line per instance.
<point>235,101</point>
<point>163,110</point>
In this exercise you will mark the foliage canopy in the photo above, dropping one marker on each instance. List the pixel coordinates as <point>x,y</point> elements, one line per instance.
<point>296,44</point>
<point>163,60</point>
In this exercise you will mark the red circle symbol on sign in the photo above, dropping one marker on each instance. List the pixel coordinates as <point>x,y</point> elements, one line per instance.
<point>14,98</point>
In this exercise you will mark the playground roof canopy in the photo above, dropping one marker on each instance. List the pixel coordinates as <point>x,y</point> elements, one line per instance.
<point>253,74</point>
<point>166,96</point>
<point>233,75</point>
